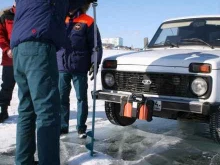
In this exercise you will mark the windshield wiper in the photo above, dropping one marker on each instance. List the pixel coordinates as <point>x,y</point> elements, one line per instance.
<point>167,42</point>
<point>197,40</point>
<point>171,44</point>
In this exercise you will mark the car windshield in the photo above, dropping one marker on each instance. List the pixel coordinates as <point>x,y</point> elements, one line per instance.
<point>188,32</point>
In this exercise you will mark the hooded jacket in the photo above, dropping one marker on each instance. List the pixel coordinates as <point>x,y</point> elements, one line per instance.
<point>6,25</point>
<point>78,56</point>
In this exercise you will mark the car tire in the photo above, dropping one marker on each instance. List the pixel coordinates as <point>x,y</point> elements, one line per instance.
<point>215,125</point>
<point>112,111</point>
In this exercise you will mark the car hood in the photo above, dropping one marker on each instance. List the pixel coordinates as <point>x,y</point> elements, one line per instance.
<point>169,57</point>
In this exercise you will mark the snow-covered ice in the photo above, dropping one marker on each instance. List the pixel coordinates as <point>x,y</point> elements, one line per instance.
<point>160,142</point>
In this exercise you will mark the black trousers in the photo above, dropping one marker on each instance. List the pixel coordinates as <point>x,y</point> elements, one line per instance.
<point>7,86</point>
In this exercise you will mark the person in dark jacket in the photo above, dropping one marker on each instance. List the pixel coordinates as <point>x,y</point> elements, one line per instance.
<point>74,63</point>
<point>39,29</point>
<point>8,82</point>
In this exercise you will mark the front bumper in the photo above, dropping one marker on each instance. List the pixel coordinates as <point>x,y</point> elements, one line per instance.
<point>166,104</point>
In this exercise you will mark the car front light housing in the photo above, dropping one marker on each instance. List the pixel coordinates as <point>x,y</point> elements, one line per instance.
<point>199,86</point>
<point>109,79</point>
<point>110,64</point>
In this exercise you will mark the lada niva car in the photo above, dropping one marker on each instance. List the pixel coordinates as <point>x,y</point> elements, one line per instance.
<point>176,77</point>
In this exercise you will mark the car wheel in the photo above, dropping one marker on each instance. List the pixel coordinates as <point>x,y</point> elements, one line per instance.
<point>112,111</point>
<point>215,125</point>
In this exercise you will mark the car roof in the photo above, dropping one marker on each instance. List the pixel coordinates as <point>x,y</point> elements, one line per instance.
<point>192,17</point>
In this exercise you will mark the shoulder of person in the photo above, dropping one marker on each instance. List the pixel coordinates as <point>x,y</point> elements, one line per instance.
<point>84,18</point>
<point>6,12</point>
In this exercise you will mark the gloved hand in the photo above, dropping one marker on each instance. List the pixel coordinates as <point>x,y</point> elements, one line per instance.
<point>91,71</point>
<point>9,53</point>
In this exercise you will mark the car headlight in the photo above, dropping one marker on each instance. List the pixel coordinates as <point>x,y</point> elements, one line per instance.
<point>109,79</point>
<point>199,86</point>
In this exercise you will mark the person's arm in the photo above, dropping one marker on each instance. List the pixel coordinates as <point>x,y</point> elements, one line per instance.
<point>91,47</point>
<point>4,41</point>
<point>91,44</point>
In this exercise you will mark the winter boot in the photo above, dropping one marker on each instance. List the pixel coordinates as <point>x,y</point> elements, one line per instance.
<point>82,134</point>
<point>3,113</point>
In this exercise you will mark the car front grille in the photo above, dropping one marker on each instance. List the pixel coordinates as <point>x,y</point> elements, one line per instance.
<point>161,84</point>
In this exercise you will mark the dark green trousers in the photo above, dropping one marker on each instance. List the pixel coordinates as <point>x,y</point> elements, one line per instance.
<point>36,73</point>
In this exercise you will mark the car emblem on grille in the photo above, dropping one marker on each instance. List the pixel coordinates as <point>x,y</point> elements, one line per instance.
<point>146,82</point>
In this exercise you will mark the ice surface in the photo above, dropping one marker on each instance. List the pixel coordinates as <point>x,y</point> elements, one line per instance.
<point>160,142</point>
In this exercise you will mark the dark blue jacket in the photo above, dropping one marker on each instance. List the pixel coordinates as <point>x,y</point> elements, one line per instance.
<point>41,20</point>
<point>78,56</point>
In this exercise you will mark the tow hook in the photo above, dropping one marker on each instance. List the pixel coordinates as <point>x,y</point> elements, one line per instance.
<point>137,106</point>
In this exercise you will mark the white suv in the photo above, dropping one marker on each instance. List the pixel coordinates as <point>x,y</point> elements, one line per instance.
<point>176,77</point>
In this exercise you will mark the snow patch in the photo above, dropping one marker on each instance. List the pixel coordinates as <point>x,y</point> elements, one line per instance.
<point>87,159</point>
